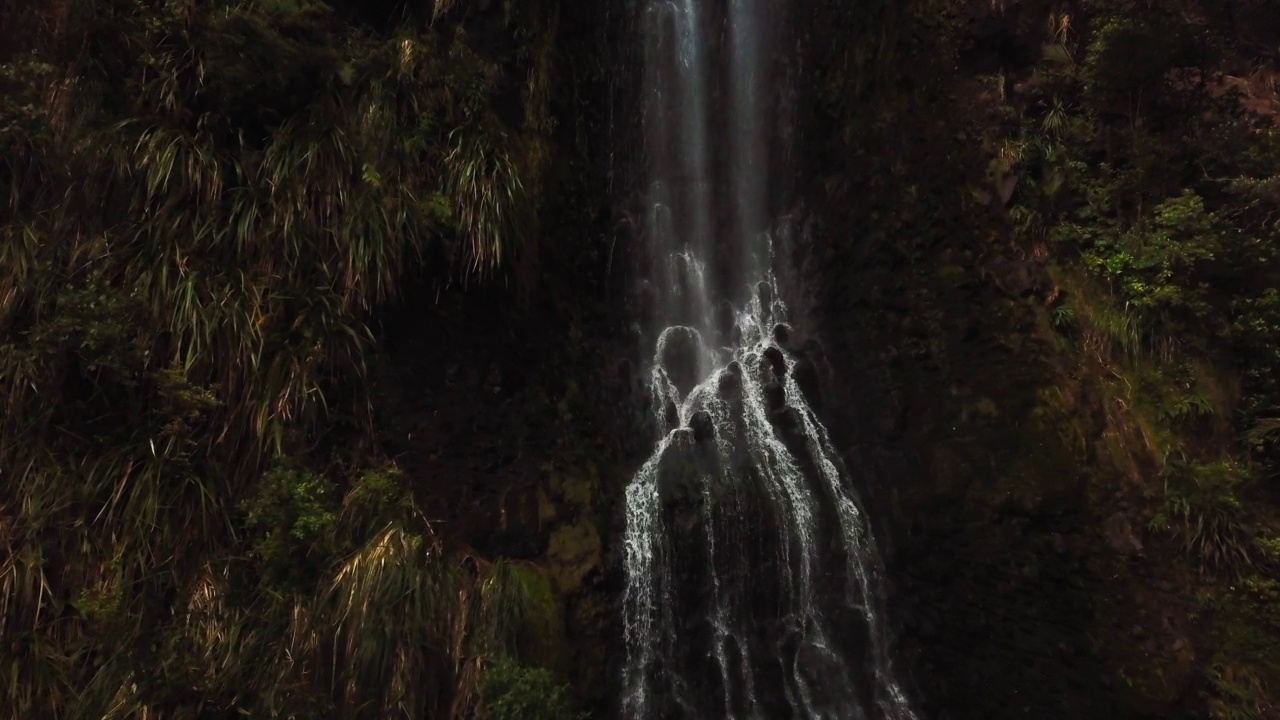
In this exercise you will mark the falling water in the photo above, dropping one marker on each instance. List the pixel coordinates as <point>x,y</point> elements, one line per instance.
<point>752,573</point>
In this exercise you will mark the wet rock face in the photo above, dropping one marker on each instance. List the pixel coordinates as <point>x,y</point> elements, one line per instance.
<point>671,413</point>
<point>1000,37</point>
<point>679,350</point>
<point>679,477</point>
<point>764,291</point>
<point>725,319</point>
<point>729,386</point>
<point>775,396</point>
<point>787,420</point>
<point>978,588</point>
<point>776,361</point>
<point>813,351</point>
<point>626,374</point>
<point>703,427</point>
<point>806,377</point>
<point>742,516</point>
<point>782,334</point>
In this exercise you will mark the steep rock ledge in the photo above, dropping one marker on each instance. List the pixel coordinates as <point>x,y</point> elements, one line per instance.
<point>1016,492</point>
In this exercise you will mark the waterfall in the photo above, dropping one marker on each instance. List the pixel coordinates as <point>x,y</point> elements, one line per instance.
<point>752,574</point>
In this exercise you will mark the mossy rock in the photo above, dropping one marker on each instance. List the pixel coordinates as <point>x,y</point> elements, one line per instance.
<point>573,552</point>
<point>578,489</point>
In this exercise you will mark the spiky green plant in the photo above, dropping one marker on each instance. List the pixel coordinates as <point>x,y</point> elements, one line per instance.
<point>487,194</point>
<point>1240,693</point>
<point>1263,431</point>
<point>1063,317</point>
<point>406,628</point>
<point>398,626</point>
<point>202,207</point>
<point>1202,505</point>
<point>1118,330</point>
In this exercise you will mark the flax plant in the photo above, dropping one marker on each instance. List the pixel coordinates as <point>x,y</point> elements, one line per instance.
<point>203,205</point>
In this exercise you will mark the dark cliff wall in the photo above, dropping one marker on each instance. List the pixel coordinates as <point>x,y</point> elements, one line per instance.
<point>515,408</point>
<point>1026,576</point>
<point>1020,504</point>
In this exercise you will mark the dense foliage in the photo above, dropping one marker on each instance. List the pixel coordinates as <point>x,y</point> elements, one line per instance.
<point>1146,180</point>
<point>1145,175</point>
<point>1065,212</point>
<point>203,203</point>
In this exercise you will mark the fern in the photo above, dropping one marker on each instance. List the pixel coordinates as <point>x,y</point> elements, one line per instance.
<point>1189,407</point>
<point>1063,317</point>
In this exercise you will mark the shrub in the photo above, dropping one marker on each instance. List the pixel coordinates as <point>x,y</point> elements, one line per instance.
<point>1202,505</point>
<point>289,517</point>
<point>518,692</point>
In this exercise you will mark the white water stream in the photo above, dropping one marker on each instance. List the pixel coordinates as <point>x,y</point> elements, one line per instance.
<point>752,573</point>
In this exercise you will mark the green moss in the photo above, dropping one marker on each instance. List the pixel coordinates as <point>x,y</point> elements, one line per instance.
<point>537,629</point>
<point>573,552</point>
<point>579,490</point>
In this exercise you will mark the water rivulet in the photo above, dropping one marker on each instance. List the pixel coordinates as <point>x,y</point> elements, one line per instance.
<point>752,574</point>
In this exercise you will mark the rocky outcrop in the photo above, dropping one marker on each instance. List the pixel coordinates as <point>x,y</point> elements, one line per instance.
<point>1024,577</point>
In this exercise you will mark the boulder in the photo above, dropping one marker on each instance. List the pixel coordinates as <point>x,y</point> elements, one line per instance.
<point>776,361</point>
<point>679,352</point>
<point>775,396</point>
<point>704,428</point>
<point>726,319</point>
<point>786,419</point>
<point>728,385</point>
<point>806,377</point>
<point>764,291</point>
<point>782,334</point>
<point>678,469</point>
<point>729,382</point>
<point>671,413</point>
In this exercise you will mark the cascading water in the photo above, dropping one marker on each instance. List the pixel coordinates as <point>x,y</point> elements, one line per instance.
<point>752,574</point>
